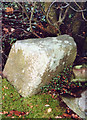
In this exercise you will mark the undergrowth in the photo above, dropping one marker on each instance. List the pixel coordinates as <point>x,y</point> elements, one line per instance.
<point>61,84</point>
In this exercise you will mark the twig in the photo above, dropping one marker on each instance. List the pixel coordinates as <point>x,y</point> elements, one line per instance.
<point>32,16</point>
<point>47,16</point>
<point>83,16</point>
<point>62,7</point>
<point>75,9</point>
<point>31,30</point>
<point>82,10</point>
<point>60,15</point>
<point>23,9</point>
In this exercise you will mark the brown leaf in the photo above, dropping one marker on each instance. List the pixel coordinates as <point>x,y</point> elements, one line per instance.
<point>36,105</point>
<point>17,113</point>
<point>3,89</point>
<point>12,111</point>
<point>9,10</point>
<point>6,30</point>
<point>3,97</point>
<point>9,115</point>
<point>66,115</point>
<point>75,116</point>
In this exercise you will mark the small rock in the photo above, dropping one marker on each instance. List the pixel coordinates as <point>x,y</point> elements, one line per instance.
<point>49,110</point>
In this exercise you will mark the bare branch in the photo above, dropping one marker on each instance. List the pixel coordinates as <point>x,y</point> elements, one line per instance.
<point>31,30</point>
<point>47,16</point>
<point>81,10</point>
<point>83,16</point>
<point>32,15</point>
<point>60,16</point>
<point>22,8</point>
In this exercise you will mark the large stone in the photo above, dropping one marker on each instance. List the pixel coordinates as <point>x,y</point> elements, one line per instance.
<point>78,105</point>
<point>32,63</point>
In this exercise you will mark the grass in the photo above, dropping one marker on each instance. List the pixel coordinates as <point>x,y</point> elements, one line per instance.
<point>34,106</point>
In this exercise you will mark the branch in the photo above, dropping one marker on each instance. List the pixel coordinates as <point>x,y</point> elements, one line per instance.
<point>60,16</point>
<point>32,12</point>
<point>31,30</point>
<point>23,9</point>
<point>82,11</point>
<point>47,16</point>
<point>83,16</point>
<point>75,9</point>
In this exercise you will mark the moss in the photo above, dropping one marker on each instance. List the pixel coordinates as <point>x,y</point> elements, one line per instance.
<point>35,105</point>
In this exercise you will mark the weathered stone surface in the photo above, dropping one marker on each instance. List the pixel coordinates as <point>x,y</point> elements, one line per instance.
<point>78,105</point>
<point>33,62</point>
<point>80,73</point>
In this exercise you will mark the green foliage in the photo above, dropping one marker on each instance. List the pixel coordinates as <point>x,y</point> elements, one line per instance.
<point>18,20</point>
<point>62,83</point>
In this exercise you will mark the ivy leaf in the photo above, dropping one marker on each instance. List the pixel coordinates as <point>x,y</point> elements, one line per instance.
<point>70,16</point>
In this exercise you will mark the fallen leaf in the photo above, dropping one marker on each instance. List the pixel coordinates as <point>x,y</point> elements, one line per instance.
<point>66,115</point>
<point>17,113</point>
<point>47,105</point>
<point>49,110</point>
<point>75,116</point>
<point>1,113</point>
<point>12,117</point>
<point>11,96</point>
<point>19,116</point>
<point>9,10</point>
<point>58,117</point>
<point>12,29</point>
<point>3,97</point>
<point>9,115</point>
<point>31,106</point>
<point>27,104</point>
<point>6,30</point>
<point>68,110</point>
<point>27,113</point>
<point>23,113</point>
<point>5,112</point>
<point>36,105</point>
<point>5,87</point>
<point>12,111</point>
